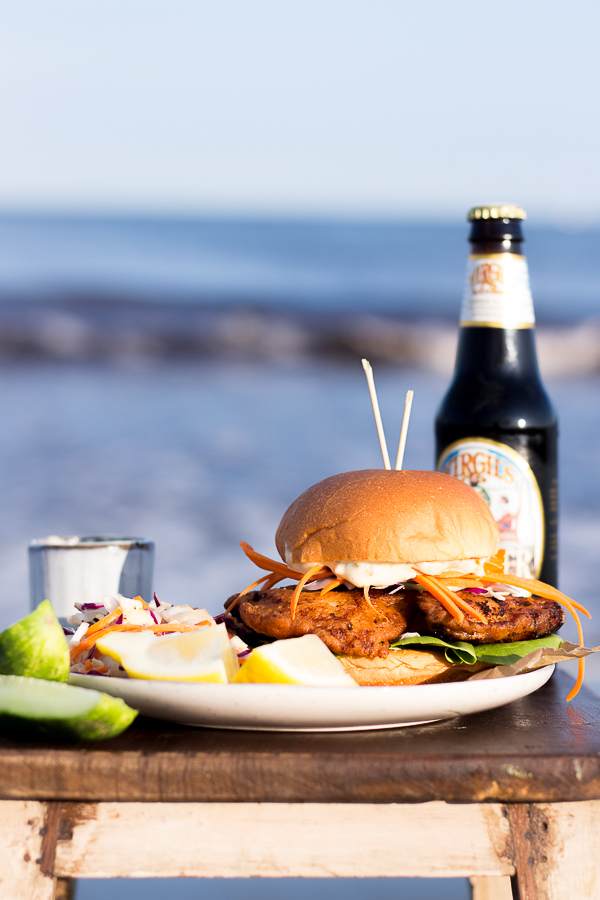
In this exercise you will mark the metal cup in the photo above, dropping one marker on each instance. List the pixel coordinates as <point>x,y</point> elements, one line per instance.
<point>69,570</point>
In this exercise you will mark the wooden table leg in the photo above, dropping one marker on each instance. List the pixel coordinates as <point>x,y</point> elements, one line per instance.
<point>26,838</point>
<point>556,850</point>
<point>65,889</point>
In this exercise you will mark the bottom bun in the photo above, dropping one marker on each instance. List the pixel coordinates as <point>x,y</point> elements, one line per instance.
<point>407,666</point>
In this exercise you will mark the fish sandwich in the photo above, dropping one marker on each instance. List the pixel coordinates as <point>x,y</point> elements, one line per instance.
<point>378,554</point>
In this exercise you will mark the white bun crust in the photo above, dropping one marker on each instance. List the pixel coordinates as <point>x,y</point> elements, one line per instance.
<point>382,515</point>
<point>407,666</point>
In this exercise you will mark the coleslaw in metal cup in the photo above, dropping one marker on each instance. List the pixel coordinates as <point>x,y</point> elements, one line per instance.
<point>82,569</point>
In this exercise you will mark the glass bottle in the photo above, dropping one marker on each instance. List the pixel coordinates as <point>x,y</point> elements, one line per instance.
<point>496,428</point>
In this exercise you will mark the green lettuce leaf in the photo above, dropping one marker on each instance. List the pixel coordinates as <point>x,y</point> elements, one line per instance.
<point>460,652</point>
<point>456,652</point>
<point>506,654</point>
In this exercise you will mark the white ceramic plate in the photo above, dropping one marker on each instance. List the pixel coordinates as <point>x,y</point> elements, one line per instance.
<point>277,707</point>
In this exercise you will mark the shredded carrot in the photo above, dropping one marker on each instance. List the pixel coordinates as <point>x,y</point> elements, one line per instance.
<point>272,581</point>
<point>367,596</point>
<point>441,594</point>
<point>331,586</point>
<point>466,607</point>
<point>254,584</point>
<point>104,622</point>
<point>107,620</point>
<point>577,686</point>
<point>307,577</point>
<point>269,582</point>
<point>536,587</point>
<point>263,562</point>
<point>86,644</point>
<point>462,603</point>
<point>271,565</point>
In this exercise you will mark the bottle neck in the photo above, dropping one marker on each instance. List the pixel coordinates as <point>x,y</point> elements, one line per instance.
<point>487,248</point>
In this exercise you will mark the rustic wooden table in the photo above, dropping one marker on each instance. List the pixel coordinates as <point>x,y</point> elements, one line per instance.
<point>509,798</point>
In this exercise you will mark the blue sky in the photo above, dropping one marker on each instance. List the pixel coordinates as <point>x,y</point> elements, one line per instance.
<point>319,107</point>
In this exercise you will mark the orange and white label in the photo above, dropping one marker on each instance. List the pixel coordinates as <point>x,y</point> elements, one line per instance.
<point>497,292</point>
<point>507,484</point>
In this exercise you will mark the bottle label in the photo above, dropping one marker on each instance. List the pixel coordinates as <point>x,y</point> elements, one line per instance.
<point>497,292</point>
<point>507,484</point>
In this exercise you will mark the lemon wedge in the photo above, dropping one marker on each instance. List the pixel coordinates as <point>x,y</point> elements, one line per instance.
<point>303,660</point>
<point>204,655</point>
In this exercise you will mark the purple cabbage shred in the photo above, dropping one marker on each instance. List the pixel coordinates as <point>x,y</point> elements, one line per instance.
<point>156,600</point>
<point>68,630</point>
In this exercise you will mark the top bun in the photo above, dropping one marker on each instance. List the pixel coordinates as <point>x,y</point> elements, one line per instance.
<point>382,515</point>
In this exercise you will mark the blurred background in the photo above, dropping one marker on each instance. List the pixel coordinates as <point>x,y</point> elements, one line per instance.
<point>209,211</point>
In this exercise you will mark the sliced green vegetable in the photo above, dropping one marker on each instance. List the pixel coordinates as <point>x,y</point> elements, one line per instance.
<point>31,707</point>
<point>35,646</point>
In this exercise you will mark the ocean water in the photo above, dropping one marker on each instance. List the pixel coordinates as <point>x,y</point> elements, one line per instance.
<point>398,267</point>
<point>187,380</point>
<point>83,289</point>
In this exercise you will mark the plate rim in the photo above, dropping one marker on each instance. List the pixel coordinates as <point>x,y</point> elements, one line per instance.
<point>210,693</point>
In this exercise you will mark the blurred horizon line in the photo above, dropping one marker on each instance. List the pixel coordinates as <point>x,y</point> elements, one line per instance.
<point>569,222</point>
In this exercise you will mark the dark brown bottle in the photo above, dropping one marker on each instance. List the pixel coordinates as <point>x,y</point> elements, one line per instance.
<point>496,428</point>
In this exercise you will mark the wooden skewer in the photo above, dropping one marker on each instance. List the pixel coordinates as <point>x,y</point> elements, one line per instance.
<point>404,431</point>
<point>376,413</point>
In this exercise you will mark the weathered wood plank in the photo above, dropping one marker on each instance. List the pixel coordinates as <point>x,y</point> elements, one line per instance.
<point>282,840</point>
<point>494,888</point>
<point>528,846</point>
<point>557,850</point>
<point>22,829</point>
<point>536,750</point>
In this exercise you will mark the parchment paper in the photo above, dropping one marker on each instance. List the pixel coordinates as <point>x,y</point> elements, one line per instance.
<point>544,656</point>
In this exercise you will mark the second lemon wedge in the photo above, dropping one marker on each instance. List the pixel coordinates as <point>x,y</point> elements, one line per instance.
<point>304,660</point>
<point>204,655</point>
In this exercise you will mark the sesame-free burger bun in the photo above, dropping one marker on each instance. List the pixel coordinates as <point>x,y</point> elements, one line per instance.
<point>407,665</point>
<point>383,515</point>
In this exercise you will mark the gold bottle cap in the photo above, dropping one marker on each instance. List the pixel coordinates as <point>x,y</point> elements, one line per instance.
<point>496,211</point>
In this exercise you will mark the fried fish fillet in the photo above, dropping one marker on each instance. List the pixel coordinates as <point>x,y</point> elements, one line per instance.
<point>512,619</point>
<point>343,619</point>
